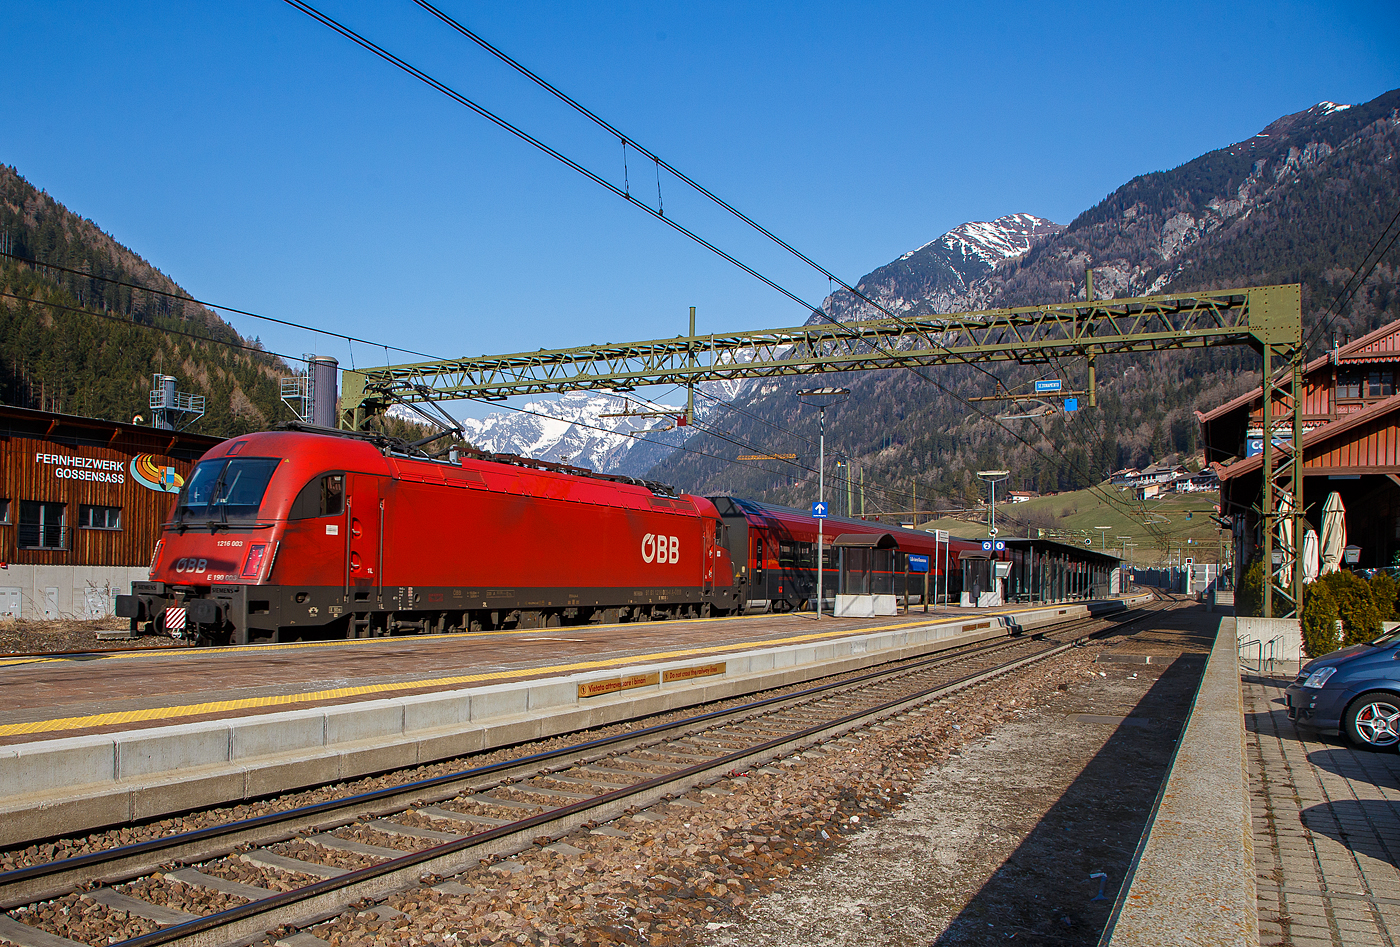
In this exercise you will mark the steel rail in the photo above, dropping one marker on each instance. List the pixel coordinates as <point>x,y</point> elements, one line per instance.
<point>51,879</point>
<point>327,898</point>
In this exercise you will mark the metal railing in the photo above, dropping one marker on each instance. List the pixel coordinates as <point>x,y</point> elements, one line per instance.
<point>1266,653</point>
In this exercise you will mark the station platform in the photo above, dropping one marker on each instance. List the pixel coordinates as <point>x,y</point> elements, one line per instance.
<point>94,740</point>
<point>1265,834</point>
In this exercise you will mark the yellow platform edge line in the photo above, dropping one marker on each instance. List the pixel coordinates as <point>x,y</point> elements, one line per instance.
<point>210,707</point>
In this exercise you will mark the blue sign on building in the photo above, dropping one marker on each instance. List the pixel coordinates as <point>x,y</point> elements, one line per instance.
<point>918,563</point>
<point>819,509</point>
<point>1053,384</point>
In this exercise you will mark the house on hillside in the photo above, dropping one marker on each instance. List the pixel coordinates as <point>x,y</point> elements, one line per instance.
<point>1019,496</point>
<point>1125,477</point>
<point>1351,446</point>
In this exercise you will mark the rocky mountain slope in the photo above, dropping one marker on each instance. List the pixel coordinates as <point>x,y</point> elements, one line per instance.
<point>1302,201</point>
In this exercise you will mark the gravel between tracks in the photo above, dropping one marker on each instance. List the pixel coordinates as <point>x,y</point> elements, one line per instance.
<point>698,868</point>
<point>56,849</point>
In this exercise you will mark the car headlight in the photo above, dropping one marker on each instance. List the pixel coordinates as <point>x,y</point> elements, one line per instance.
<point>1319,677</point>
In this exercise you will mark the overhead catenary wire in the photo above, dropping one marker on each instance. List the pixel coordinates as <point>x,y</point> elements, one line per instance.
<point>110,317</point>
<point>206,304</point>
<point>524,136</point>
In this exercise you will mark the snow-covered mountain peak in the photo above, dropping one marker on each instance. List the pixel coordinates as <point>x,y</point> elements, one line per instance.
<point>996,241</point>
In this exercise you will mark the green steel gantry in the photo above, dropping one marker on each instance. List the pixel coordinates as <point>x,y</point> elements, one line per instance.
<point>1266,318</point>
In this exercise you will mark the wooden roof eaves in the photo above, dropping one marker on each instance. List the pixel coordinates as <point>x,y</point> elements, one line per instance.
<point>1318,435</point>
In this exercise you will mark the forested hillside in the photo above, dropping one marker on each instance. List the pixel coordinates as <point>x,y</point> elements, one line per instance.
<point>54,356</point>
<point>1303,202</point>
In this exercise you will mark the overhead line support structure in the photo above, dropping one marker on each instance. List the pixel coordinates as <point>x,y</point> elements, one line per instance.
<point>1266,318</point>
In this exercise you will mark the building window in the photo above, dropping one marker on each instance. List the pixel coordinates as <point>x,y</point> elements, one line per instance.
<point>4,511</point>
<point>1349,384</point>
<point>100,517</point>
<point>41,525</point>
<point>1380,383</point>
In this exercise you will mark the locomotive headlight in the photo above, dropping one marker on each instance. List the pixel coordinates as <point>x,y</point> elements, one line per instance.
<point>253,564</point>
<point>155,556</point>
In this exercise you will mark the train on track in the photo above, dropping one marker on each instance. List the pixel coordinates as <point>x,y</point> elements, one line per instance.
<point>314,533</point>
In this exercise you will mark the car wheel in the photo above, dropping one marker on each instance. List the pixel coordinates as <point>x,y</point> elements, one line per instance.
<point>1373,720</point>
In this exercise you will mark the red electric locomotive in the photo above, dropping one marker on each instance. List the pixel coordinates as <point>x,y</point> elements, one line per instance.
<point>314,533</point>
<point>291,534</point>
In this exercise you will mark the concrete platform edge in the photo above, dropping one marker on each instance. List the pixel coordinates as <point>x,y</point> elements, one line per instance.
<point>1193,880</point>
<point>82,783</point>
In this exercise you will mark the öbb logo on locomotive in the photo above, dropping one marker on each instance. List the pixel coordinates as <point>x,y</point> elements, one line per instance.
<point>658,548</point>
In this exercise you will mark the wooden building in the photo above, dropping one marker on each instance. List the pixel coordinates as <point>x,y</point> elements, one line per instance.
<point>81,504</point>
<point>1351,446</point>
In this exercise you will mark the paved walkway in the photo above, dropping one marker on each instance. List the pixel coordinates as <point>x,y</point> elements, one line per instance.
<point>1326,830</point>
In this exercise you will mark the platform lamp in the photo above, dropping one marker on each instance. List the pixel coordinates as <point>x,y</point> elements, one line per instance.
<point>822,398</point>
<point>992,476</point>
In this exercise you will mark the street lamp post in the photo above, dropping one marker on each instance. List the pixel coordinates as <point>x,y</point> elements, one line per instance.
<point>822,398</point>
<point>992,476</point>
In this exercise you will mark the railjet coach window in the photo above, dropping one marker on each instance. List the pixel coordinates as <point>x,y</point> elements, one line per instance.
<point>41,525</point>
<point>223,490</point>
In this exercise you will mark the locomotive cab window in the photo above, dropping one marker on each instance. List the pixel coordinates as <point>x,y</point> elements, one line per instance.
<point>322,496</point>
<point>225,490</point>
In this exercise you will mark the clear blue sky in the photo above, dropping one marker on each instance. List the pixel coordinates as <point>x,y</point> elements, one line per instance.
<point>266,163</point>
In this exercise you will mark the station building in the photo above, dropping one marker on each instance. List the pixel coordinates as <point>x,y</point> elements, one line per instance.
<point>81,506</point>
<point>1351,447</point>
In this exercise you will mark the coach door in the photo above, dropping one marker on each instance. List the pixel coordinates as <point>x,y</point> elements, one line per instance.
<point>364,542</point>
<point>709,530</point>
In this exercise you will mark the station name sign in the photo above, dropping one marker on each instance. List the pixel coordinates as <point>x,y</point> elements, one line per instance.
<point>67,467</point>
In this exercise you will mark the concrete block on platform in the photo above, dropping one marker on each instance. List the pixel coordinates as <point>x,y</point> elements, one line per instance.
<point>43,767</point>
<point>504,731</point>
<point>24,819</point>
<point>498,700</point>
<point>167,749</point>
<point>270,775</point>
<point>550,695</point>
<point>432,746</point>
<point>374,756</point>
<point>367,720</point>
<point>186,790</point>
<point>278,733</point>
<point>430,711</point>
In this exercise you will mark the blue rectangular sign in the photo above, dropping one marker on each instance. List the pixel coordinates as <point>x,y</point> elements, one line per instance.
<point>1071,404</point>
<point>918,563</point>
<point>819,509</point>
<point>1053,384</point>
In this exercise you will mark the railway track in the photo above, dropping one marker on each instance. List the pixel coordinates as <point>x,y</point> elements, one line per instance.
<point>361,848</point>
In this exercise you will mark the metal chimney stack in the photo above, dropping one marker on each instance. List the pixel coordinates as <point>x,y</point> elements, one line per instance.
<point>325,394</point>
<point>164,414</point>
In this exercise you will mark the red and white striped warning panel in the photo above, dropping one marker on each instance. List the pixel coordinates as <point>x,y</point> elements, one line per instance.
<point>174,618</point>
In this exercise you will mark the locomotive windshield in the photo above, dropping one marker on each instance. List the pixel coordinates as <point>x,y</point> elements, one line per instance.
<point>225,490</point>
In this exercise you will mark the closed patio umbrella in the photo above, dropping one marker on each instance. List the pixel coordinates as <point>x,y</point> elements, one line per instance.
<point>1310,558</point>
<point>1334,533</point>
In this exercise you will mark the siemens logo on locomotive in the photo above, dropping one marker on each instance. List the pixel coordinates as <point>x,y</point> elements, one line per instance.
<point>658,548</point>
